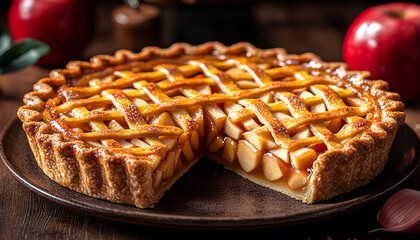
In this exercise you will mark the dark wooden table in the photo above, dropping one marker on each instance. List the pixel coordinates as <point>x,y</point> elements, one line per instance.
<point>25,215</point>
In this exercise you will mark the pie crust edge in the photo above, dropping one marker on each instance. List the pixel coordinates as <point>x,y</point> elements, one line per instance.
<point>335,171</point>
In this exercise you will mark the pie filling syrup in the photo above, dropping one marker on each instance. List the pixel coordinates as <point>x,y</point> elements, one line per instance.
<point>269,118</point>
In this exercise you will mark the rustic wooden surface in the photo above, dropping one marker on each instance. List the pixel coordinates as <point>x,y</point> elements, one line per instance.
<point>25,215</point>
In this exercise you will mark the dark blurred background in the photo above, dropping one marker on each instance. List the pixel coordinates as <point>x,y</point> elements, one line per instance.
<point>299,26</point>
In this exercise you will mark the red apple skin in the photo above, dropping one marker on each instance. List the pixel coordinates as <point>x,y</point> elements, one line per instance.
<point>65,25</point>
<point>387,46</point>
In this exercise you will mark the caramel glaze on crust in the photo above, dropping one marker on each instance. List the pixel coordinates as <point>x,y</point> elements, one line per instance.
<point>128,178</point>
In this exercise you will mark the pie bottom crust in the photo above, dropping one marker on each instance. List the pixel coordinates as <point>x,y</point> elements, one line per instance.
<point>96,173</point>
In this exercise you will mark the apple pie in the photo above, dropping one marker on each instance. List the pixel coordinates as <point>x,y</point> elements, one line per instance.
<point>124,128</point>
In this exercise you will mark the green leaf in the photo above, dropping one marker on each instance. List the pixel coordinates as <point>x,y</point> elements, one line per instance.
<point>5,40</point>
<point>22,54</point>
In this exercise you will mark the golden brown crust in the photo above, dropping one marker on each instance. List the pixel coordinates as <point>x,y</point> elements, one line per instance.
<point>127,178</point>
<point>364,157</point>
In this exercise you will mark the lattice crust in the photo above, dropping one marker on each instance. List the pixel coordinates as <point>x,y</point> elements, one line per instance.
<point>125,127</point>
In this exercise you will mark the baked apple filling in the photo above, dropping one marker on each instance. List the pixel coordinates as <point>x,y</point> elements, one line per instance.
<point>280,120</point>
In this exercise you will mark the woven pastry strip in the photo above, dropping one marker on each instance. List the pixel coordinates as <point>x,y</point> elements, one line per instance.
<point>153,85</point>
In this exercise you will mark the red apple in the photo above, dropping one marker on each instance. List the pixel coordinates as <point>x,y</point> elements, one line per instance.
<point>65,25</point>
<point>385,40</point>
